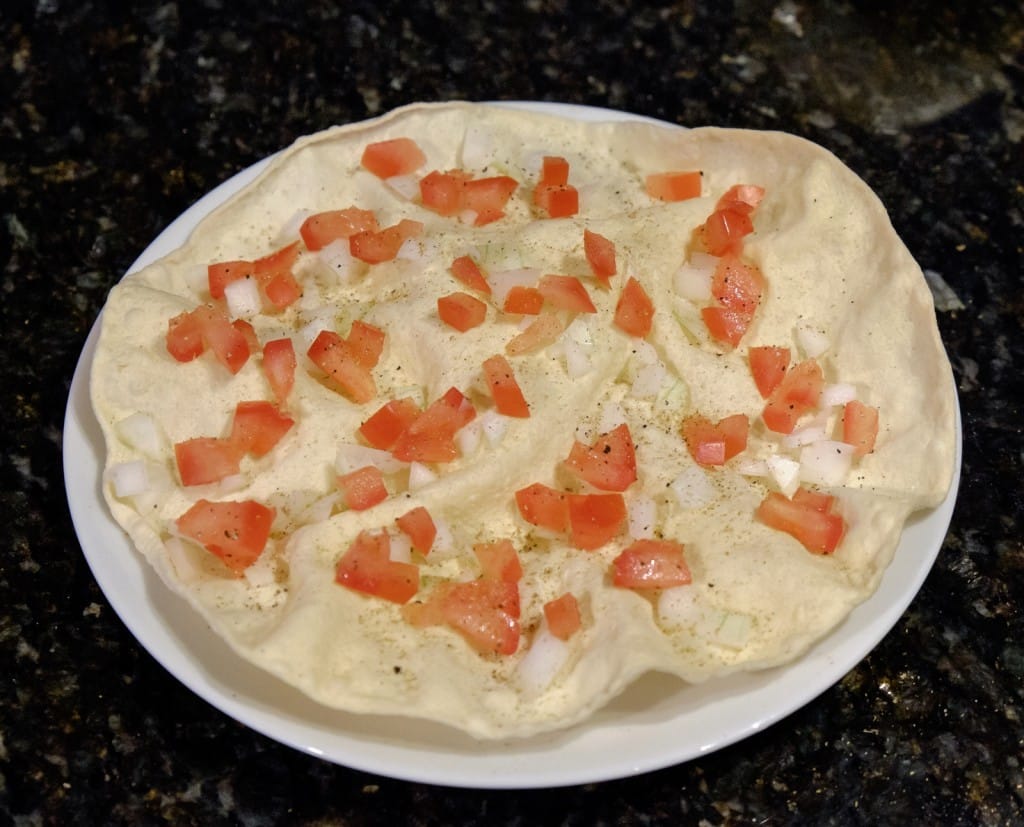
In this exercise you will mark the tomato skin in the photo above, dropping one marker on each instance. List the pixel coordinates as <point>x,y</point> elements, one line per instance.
<point>205,459</point>
<point>499,561</point>
<point>609,464</point>
<point>521,300</point>
<point>768,366</point>
<point>673,186</point>
<point>321,229</point>
<point>860,427</point>
<point>279,365</point>
<point>563,616</point>
<point>634,312</point>
<point>600,253</point>
<point>595,519</point>
<point>819,531</point>
<point>795,395</point>
<point>397,156</point>
<point>461,311</point>
<point>236,532</point>
<point>363,488</point>
<point>365,567</point>
<point>543,506</point>
<point>389,422</point>
<point>419,527</point>
<point>505,391</point>
<point>335,356</point>
<point>566,292</point>
<point>715,443</point>
<point>651,564</point>
<point>469,273</point>
<point>258,426</point>
<point>383,245</point>
<point>542,332</point>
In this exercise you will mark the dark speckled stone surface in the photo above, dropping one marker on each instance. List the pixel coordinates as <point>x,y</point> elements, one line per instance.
<point>114,121</point>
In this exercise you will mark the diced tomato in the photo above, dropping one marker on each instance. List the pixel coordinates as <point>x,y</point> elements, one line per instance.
<point>542,332</point>
<point>397,156</point>
<point>321,229</point>
<point>523,300</point>
<point>737,285</point>
<point>715,443</point>
<point>367,343</point>
<point>236,532</point>
<point>419,527</point>
<point>795,395</point>
<point>499,561</point>
<point>567,293</point>
<point>487,197</point>
<point>469,273</point>
<point>673,186</point>
<point>485,613</point>
<point>461,311</point>
<point>554,170</point>
<point>389,422</point>
<point>815,500</point>
<point>258,426</point>
<point>634,311</point>
<point>272,271</point>
<point>222,273</point>
<point>595,519</point>
<point>335,356</point>
<point>282,289</point>
<point>441,192</point>
<point>609,464</point>
<point>651,564</point>
<point>768,365</point>
<point>563,616</point>
<point>557,200</point>
<point>278,261</point>
<point>185,337</point>
<point>279,367</point>
<point>366,567</point>
<point>725,325</point>
<point>249,332</point>
<point>206,459</point>
<point>431,437</point>
<point>860,427</point>
<point>818,531</point>
<point>600,253</point>
<point>725,230</point>
<point>544,507</point>
<point>189,334</point>
<point>457,401</point>
<point>508,396</point>
<point>742,197</point>
<point>363,488</point>
<point>383,245</point>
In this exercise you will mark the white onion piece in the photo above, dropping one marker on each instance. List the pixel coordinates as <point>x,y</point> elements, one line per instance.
<point>837,394</point>
<point>642,515</point>
<point>468,438</point>
<point>752,467</point>
<point>468,217</point>
<point>444,541</point>
<point>338,263</point>
<point>579,331</point>
<point>406,187</point>
<point>477,148</point>
<point>644,353</point>
<point>141,432</point>
<point>128,478</point>
<point>826,463</point>
<point>785,472</point>
<point>813,342</point>
<point>399,548</point>
<point>243,298</point>
<point>494,426</point>
<point>813,432</point>
<point>577,358</point>
<point>420,475</point>
<point>501,281</point>
<point>261,573</point>
<point>542,661</point>
<point>351,457</point>
<point>322,508</point>
<point>231,484</point>
<point>692,488</point>
<point>182,559</point>
<point>688,316</point>
<point>693,283</point>
<point>648,381</point>
<point>734,630</point>
<point>678,606</point>
<point>612,416</point>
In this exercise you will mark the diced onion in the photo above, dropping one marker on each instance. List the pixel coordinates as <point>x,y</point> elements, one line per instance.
<point>406,187</point>
<point>141,432</point>
<point>579,331</point>
<point>324,320</point>
<point>338,263</point>
<point>837,394</point>
<point>692,488</point>
<point>826,463</point>
<point>749,467</point>
<point>542,661</point>
<point>182,557</point>
<point>785,472</point>
<point>612,416</point>
<point>678,606</point>
<point>648,381</point>
<point>468,217</point>
<point>642,514</point>
<point>813,342</point>
<point>243,298</point>
<point>128,478</point>
<point>502,281</point>
<point>420,475</point>
<point>734,630</point>
<point>351,457</point>
<point>577,358</point>
<point>477,148</point>
<point>468,438</point>
<point>400,548</point>
<point>811,433</point>
<point>494,426</point>
<point>693,281</point>
<point>444,541</point>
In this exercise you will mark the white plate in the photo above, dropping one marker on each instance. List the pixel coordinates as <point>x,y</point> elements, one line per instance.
<point>657,722</point>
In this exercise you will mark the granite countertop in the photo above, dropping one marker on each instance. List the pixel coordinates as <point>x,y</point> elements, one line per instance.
<point>113,122</point>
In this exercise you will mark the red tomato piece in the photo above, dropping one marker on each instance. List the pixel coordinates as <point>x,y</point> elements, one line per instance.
<point>768,366</point>
<point>236,532</point>
<point>397,156</point>
<point>673,186</point>
<point>634,311</point>
<point>366,342</point>
<point>431,437</point>
<point>487,197</point>
<point>258,426</point>
<point>595,519</point>
<point>469,273</point>
<point>818,531</point>
<point>499,561</point>
<point>461,311</point>
<point>389,422</point>
<point>725,325</point>
<point>860,427</point>
<point>419,527</point>
<point>563,616</point>
<point>557,200</point>
<point>815,500</point>
<point>365,567</point>
<point>521,300</point>
<point>222,273</point>
<point>441,192</point>
<point>457,401</point>
<point>508,396</point>
<point>651,564</point>
<point>795,395</point>
<point>383,245</point>
<point>567,293</point>
<point>742,197</point>
<point>190,334</point>
<point>206,459</point>
<point>279,367</point>
<point>282,289</point>
<point>544,507</point>
<point>725,230</point>
<point>321,229</point>
<point>363,488</point>
<point>554,170</point>
<point>249,332</point>
<point>335,357</point>
<point>485,613</point>
<point>715,443</point>
<point>185,337</point>
<point>738,286</point>
<point>281,260</point>
<point>600,253</point>
<point>609,464</point>
<point>542,332</point>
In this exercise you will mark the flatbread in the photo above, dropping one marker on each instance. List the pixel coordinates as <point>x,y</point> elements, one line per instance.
<point>831,260</point>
